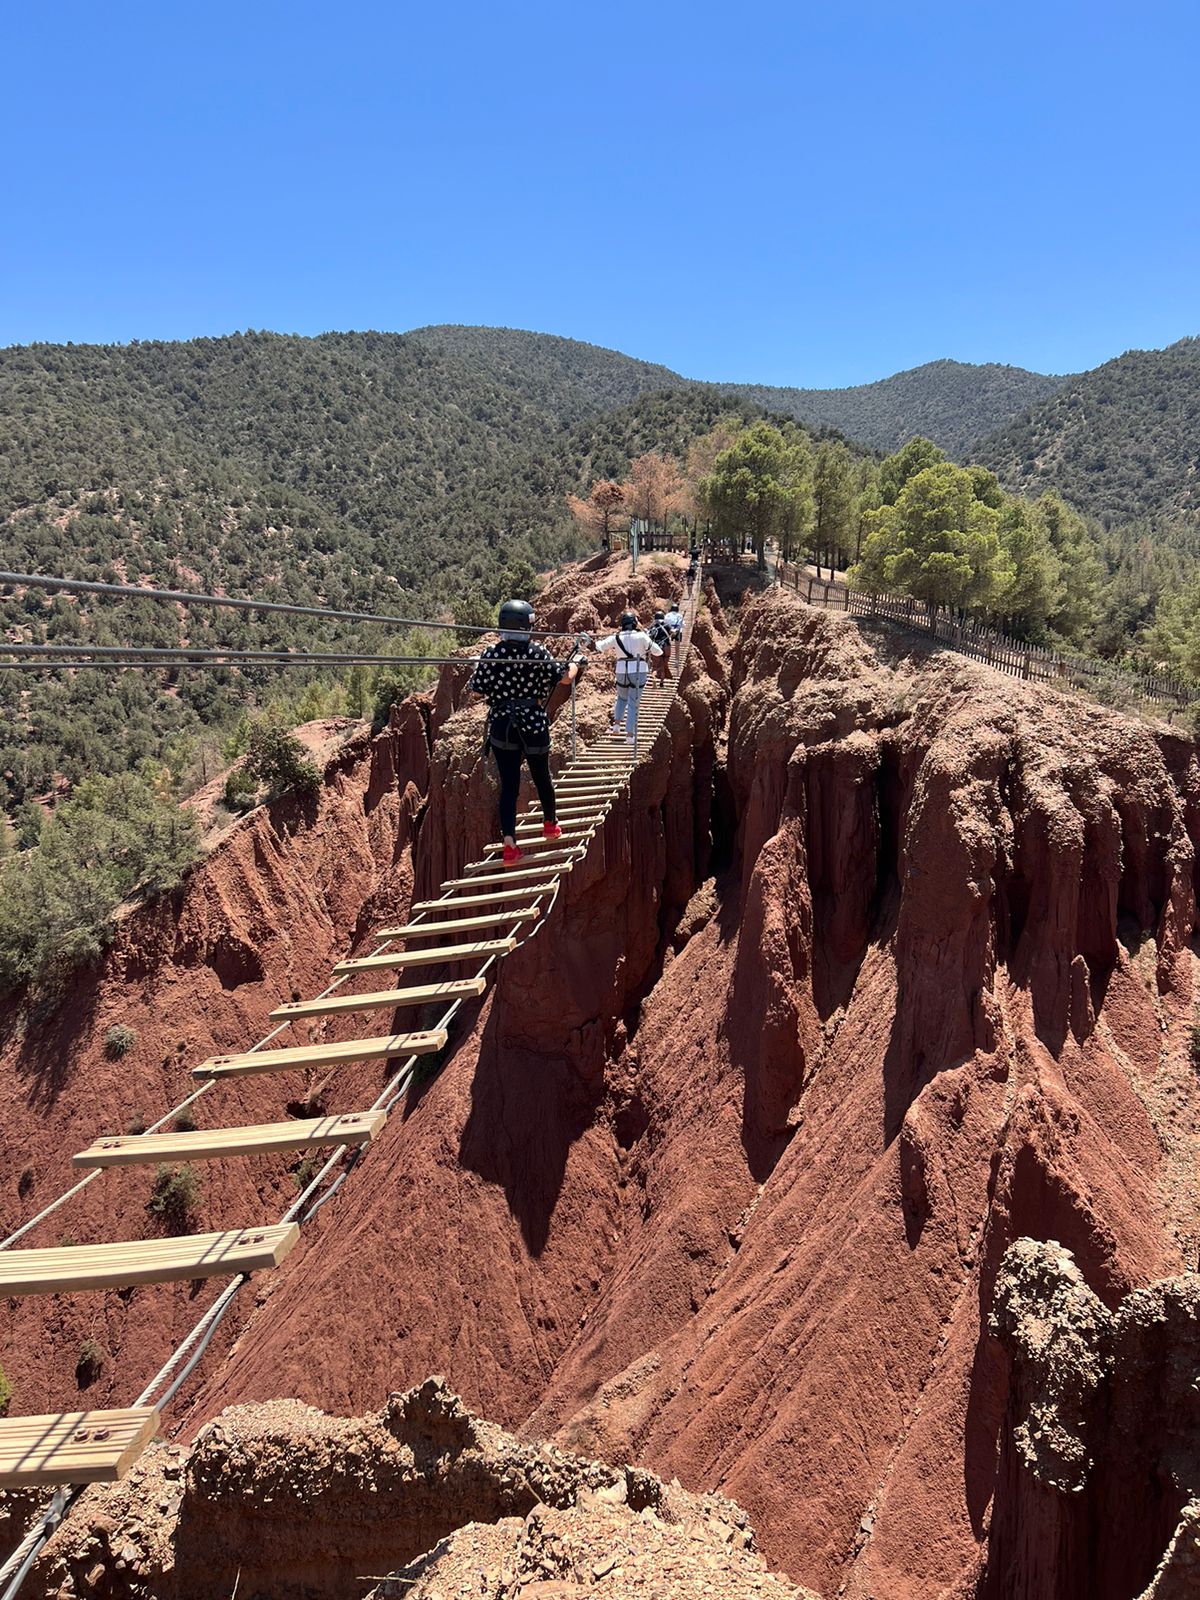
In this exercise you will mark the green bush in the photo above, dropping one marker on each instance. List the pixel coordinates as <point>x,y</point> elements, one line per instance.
<point>116,838</point>
<point>186,1122</point>
<point>277,758</point>
<point>5,1393</point>
<point>175,1195</point>
<point>1194,1044</point>
<point>90,1363</point>
<point>119,1041</point>
<point>241,789</point>
<point>306,1170</point>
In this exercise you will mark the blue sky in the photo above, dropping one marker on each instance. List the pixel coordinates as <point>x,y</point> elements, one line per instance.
<point>781,193</point>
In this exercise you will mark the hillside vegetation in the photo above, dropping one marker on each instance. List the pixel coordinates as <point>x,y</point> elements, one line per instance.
<point>951,402</point>
<point>1120,442</point>
<point>566,378</point>
<point>428,473</point>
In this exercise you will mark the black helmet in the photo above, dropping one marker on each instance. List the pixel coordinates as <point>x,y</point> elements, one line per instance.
<point>659,615</point>
<point>516,616</point>
<point>628,620</point>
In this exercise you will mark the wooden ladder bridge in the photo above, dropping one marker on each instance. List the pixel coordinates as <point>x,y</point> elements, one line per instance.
<point>82,1447</point>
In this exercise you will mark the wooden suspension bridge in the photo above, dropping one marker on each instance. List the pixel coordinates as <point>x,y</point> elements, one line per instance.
<point>505,907</point>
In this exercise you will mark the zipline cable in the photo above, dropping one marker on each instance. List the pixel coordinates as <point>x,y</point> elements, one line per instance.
<point>186,598</point>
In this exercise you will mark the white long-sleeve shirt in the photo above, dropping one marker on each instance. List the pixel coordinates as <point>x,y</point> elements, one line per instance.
<point>633,651</point>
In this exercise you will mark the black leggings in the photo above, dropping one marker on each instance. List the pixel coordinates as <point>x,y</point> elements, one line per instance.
<point>509,763</point>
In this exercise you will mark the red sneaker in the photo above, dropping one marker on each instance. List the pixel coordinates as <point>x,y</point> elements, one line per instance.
<point>512,855</point>
<point>551,830</point>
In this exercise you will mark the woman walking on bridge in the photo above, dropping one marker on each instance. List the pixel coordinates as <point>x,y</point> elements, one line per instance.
<point>634,650</point>
<point>517,678</point>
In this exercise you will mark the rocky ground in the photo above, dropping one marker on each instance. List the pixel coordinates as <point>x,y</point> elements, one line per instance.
<point>421,1501</point>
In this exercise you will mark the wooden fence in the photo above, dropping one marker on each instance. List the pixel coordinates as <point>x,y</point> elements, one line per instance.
<point>1036,663</point>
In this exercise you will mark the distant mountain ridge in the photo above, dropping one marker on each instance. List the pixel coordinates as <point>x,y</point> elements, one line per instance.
<point>1121,441</point>
<point>951,402</point>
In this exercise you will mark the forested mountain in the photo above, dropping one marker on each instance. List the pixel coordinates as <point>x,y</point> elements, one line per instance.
<point>365,471</point>
<point>951,402</point>
<point>565,378</point>
<point>405,473</point>
<point>1122,441</point>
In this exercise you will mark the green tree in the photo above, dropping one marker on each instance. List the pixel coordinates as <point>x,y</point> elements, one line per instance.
<point>757,487</point>
<point>277,758</point>
<point>115,838</point>
<point>937,543</point>
<point>1031,590</point>
<point>866,499</point>
<point>358,695</point>
<point>895,470</point>
<point>833,505</point>
<point>473,612</point>
<point>1078,609</point>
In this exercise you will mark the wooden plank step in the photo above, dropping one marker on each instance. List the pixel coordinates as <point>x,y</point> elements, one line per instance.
<point>513,875</point>
<point>544,848</point>
<point>323,1055</point>
<point>557,850</point>
<point>552,848</point>
<point>493,900</point>
<point>335,1004</point>
<point>561,858</point>
<point>134,1261</point>
<point>132,1149</point>
<point>499,919</point>
<point>568,824</point>
<point>433,957</point>
<point>73,1446</point>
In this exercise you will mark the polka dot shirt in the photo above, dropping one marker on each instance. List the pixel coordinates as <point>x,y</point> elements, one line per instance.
<point>515,670</point>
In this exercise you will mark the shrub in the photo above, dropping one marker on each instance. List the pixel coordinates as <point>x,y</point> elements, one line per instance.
<point>5,1393</point>
<point>114,839</point>
<point>241,789</point>
<point>175,1196</point>
<point>1194,1044</point>
<point>90,1363</point>
<point>137,1123</point>
<point>119,1041</point>
<point>306,1171</point>
<point>277,758</point>
<point>186,1122</point>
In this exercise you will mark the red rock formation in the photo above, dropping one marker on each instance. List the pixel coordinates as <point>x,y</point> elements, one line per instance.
<point>720,1176</point>
<point>285,1500</point>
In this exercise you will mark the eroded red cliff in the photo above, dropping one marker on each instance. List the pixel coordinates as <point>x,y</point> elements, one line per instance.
<point>884,962</point>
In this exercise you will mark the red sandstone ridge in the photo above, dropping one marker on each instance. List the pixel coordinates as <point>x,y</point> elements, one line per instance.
<point>885,963</point>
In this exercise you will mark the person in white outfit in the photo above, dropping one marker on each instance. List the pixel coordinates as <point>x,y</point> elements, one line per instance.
<point>634,651</point>
<point>674,625</point>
